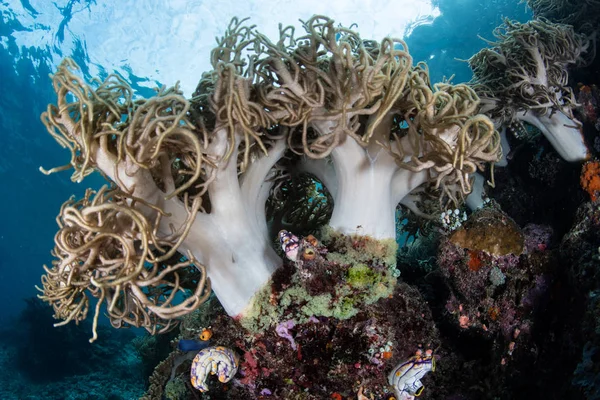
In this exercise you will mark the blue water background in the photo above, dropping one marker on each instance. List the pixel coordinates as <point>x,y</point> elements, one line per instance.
<point>30,200</point>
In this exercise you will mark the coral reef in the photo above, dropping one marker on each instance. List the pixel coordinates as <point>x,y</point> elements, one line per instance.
<point>341,312</point>
<point>258,221</point>
<point>492,287</point>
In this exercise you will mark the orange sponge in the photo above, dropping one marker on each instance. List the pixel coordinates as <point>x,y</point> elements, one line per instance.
<point>590,178</point>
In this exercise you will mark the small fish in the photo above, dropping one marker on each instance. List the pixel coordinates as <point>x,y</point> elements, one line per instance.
<point>205,334</point>
<point>406,377</point>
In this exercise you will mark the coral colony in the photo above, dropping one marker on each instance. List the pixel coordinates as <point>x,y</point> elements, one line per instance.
<point>223,192</point>
<point>523,79</point>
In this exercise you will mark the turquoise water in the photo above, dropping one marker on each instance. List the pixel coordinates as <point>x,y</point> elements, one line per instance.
<point>150,43</point>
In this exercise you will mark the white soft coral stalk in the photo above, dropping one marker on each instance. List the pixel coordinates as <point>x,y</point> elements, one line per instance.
<point>230,240</point>
<point>562,131</point>
<point>368,185</point>
<point>363,202</point>
<point>235,246</point>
